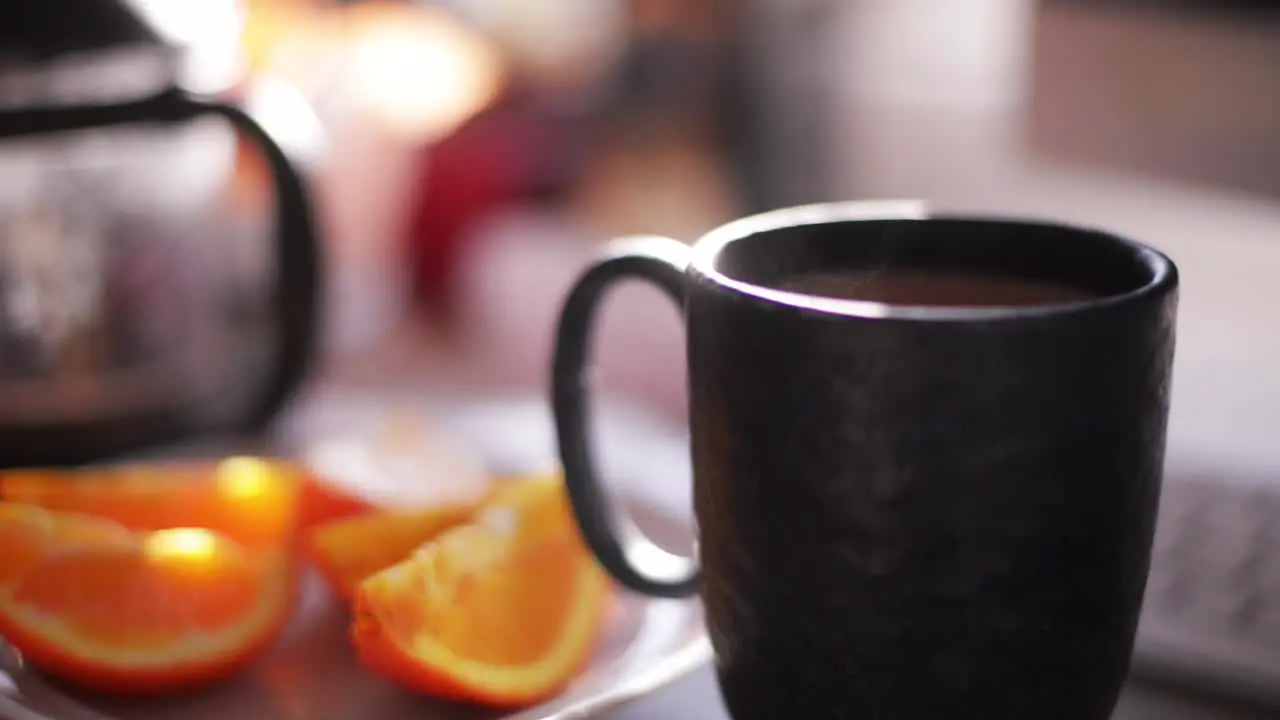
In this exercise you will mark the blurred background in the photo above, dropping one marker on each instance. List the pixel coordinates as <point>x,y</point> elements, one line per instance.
<point>479,153</point>
<point>468,157</point>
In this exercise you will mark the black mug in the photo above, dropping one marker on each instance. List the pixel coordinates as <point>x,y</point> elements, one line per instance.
<point>907,510</point>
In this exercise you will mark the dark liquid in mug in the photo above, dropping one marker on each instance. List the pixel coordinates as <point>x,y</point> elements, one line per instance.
<point>943,288</point>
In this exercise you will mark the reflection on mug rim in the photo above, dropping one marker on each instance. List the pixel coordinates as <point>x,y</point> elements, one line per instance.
<point>707,250</point>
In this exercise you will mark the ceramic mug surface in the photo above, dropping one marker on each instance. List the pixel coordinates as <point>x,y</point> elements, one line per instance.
<point>912,504</point>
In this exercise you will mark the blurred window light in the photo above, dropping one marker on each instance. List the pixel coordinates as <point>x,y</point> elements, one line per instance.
<point>553,36</point>
<point>191,22</point>
<point>288,118</point>
<point>209,32</point>
<point>417,71</point>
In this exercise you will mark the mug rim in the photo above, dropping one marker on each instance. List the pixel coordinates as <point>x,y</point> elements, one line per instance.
<point>706,251</point>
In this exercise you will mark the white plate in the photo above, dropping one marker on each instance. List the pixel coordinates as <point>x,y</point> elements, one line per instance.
<point>312,673</point>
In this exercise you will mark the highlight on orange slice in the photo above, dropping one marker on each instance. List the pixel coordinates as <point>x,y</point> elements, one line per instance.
<point>30,536</point>
<point>502,611</point>
<point>178,608</point>
<point>348,551</point>
<point>252,500</point>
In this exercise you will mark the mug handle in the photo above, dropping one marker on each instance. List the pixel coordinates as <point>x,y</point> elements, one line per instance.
<point>630,557</point>
<point>297,252</point>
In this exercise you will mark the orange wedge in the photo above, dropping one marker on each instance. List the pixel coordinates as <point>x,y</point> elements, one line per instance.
<point>251,500</point>
<point>30,536</point>
<point>323,502</point>
<point>502,611</point>
<point>348,551</point>
<point>174,609</point>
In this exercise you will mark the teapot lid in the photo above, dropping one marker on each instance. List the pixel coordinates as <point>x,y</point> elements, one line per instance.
<point>34,30</point>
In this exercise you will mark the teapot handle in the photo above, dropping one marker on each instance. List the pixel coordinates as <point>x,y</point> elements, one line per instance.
<point>297,251</point>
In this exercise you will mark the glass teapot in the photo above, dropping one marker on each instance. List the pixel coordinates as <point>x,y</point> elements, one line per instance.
<point>137,304</point>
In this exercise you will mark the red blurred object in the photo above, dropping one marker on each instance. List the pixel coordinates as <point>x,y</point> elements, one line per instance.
<point>504,155</point>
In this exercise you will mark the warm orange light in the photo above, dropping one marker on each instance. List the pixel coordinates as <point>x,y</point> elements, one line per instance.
<point>195,545</point>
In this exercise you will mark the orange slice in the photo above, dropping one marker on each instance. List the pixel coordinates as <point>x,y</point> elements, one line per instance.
<point>324,501</point>
<point>177,608</point>
<point>252,500</point>
<point>348,551</point>
<point>30,536</point>
<point>502,611</point>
